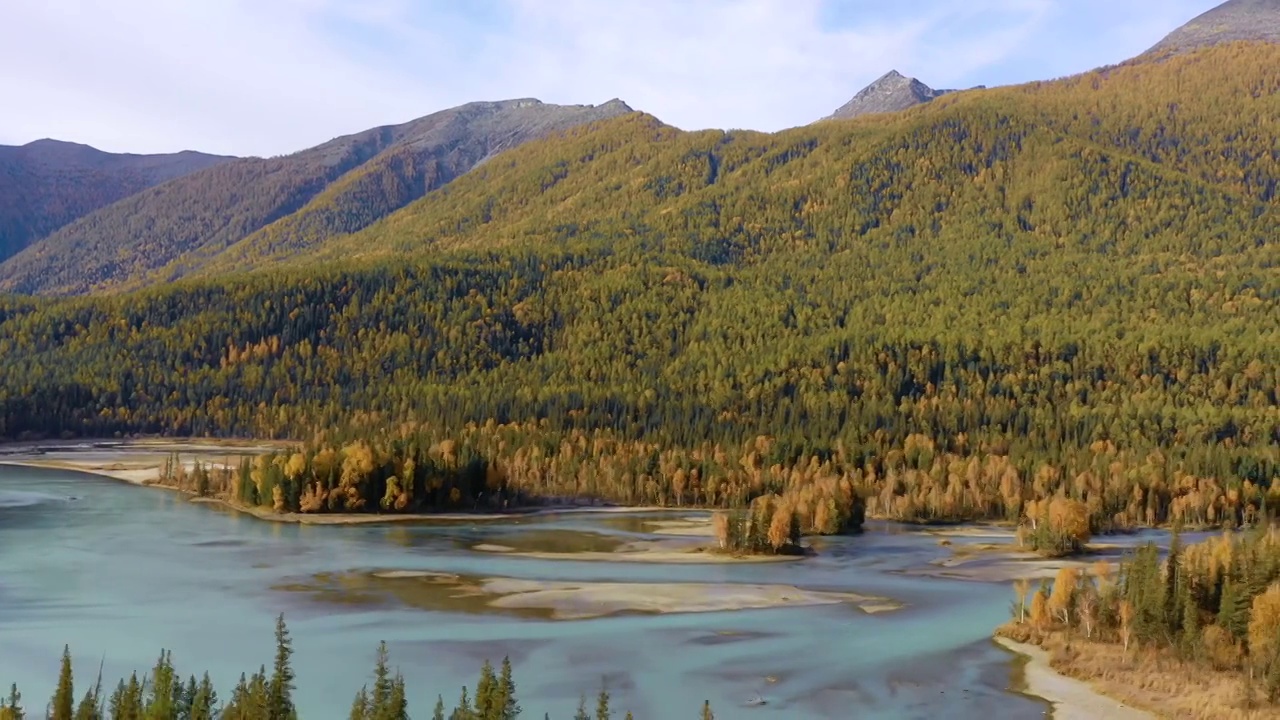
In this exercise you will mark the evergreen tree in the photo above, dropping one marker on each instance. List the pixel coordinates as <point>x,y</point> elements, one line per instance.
<point>398,703</point>
<point>507,692</point>
<point>159,703</point>
<point>488,702</point>
<point>280,702</point>
<point>62,707</point>
<point>463,711</point>
<point>204,701</point>
<point>360,709</point>
<point>380,699</point>
<point>13,704</point>
<point>438,714</point>
<point>706,711</point>
<point>582,709</point>
<point>91,705</point>
<point>602,702</point>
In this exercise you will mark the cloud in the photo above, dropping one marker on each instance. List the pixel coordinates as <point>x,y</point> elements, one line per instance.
<point>272,76</point>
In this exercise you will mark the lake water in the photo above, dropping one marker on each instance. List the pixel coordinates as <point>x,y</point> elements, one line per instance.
<point>120,572</point>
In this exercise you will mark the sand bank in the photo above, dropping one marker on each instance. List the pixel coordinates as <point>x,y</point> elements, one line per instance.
<point>1072,699</point>
<point>672,551</point>
<point>560,600</point>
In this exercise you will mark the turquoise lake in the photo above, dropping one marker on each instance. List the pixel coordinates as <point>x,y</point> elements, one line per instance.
<point>120,571</point>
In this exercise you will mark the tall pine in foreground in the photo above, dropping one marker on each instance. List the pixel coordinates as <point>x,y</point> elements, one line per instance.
<point>62,707</point>
<point>280,700</point>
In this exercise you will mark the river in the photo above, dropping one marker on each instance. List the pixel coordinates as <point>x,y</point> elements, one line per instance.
<point>121,571</point>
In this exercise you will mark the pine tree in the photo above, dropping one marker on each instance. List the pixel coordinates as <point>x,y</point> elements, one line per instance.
<point>464,710</point>
<point>360,706</point>
<point>280,700</point>
<point>91,707</point>
<point>582,709</point>
<point>439,711</point>
<point>398,703</point>
<point>205,700</point>
<point>380,699</point>
<point>62,707</point>
<point>1190,639</point>
<point>602,702</point>
<point>706,711</point>
<point>159,704</point>
<point>1173,583</point>
<point>487,701</point>
<point>507,692</point>
<point>13,705</point>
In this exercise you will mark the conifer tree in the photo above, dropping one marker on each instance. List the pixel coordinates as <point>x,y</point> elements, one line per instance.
<point>438,714</point>
<point>12,706</point>
<point>582,709</point>
<point>204,701</point>
<point>159,704</point>
<point>360,706</point>
<point>463,711</point>
<point>380,698</point>
<point>507,692</point>
<point>280,701</point>
<point>602,702</point>
<point>62,707</point>
<point>487,702</point>
<point>706,711</point>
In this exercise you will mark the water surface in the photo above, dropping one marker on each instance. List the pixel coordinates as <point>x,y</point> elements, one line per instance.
<point>121,571</point>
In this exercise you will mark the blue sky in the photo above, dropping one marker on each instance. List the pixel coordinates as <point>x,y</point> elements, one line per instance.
<point>267,77</point>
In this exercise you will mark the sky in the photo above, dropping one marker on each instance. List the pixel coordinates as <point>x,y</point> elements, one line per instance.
<point>269,77</point>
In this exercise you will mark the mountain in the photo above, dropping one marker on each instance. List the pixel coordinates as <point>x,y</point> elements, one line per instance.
<point>1068,279</point>
<point>284,204</point>
<point>48,183</point>
<point>1232,21</point>
<point>893,92</point>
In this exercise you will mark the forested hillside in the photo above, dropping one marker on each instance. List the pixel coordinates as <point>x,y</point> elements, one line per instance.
<point>283,204</point>
<point>47,184</point>
<point>1063,289</point>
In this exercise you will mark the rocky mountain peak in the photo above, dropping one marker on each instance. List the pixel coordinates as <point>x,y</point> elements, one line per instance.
<point>893,92</point>
<point>1232,21</point>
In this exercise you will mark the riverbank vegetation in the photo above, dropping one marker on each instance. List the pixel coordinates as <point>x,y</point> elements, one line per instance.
<point>268,695</point>
<point>1196,634</point>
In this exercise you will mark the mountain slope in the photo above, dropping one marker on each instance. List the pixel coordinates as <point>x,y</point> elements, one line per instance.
<point>892,92</point>
<point>1066,287</point>
<point>635,176</point>
<point>48,183</point>
<point>1232,21</point>
<point>337,187</point>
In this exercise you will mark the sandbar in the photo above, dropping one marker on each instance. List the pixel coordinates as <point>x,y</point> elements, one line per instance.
<point>569,600</point>
<point>671,551</point>
<point>1072,699</point>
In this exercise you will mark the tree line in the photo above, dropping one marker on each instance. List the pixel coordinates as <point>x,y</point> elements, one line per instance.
<point>268,695</point>
<point>1213,604</point>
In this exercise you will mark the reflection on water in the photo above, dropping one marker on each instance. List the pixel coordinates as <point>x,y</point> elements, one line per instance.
<point>125,571</point>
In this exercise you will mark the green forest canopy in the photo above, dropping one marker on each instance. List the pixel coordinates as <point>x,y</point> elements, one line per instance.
<point>1061,288</point>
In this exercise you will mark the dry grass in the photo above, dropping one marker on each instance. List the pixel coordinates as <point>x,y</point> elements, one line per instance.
<point>1150,679</point>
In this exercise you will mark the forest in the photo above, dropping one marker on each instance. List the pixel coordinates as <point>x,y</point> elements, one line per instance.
<point>1043,302</point>
<point>268,695</point>
<point>1209,609</point>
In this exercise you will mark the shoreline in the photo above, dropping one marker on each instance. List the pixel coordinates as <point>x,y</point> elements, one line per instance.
<point>1071,699</point>
<point>147,476</point>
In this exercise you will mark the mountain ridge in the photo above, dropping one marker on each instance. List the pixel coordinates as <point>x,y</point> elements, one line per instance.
<point>47,184</point>
<point>164,231</point>
<point>1232,21</point>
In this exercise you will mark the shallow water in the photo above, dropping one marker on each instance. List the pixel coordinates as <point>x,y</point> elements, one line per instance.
<point>122,571</point>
